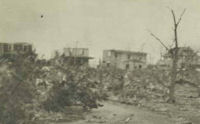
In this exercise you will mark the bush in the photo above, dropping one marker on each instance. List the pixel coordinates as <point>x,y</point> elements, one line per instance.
<point>78,88</point>
<point>17,90</point>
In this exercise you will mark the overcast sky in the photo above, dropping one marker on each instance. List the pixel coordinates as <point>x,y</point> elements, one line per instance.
<point>98,24</point>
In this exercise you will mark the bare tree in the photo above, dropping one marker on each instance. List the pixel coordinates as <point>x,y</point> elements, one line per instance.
<point>174,55</point>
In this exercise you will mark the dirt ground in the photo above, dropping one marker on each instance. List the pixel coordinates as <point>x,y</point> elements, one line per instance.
<point>116,113</point>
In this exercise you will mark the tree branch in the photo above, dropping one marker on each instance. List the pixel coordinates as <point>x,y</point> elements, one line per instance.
<point>181,17</point>
<point>159,41</point>
<point>175,30</point>
<point>174,18</point>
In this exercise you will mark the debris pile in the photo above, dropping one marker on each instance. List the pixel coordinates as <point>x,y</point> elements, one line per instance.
<point>149,89</point>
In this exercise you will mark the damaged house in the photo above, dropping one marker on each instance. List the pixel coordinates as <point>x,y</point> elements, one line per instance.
<point>126,60</point>
<point>9,50</point>
<point>76,56</point>
<point>187,57</point>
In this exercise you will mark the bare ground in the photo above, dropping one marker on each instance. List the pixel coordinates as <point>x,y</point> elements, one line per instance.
<point>116,113</point>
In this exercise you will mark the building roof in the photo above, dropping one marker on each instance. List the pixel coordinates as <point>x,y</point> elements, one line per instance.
<point>76,48</point>
<point>23,43</point>
<point>128,52</point>
<point>4,43</point>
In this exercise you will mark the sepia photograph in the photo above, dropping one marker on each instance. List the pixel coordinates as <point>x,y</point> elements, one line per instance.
<point>99,62</point>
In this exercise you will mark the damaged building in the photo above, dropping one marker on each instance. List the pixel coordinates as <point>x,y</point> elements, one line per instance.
<point>11,49</point>
<point>187,57</point>
<point>76,56</point>
<point>122,59</point>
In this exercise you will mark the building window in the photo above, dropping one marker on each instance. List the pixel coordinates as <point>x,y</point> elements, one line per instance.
<point>6,48</point>
<point>129,56</point>
<point>17,47</point>
<point>140,66</point>
<point>30,48</point>
<point>116,55</point>
<point>25,48</point>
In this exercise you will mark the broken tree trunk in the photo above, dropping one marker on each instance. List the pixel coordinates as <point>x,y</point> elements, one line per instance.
<point>174,55</point>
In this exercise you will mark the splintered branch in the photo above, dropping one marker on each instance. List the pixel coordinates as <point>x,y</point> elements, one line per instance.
<point>176,23</point>
<point>175,29</point>
<point>158,39</point>
<point>174,18</point>
<point>181,17</point>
